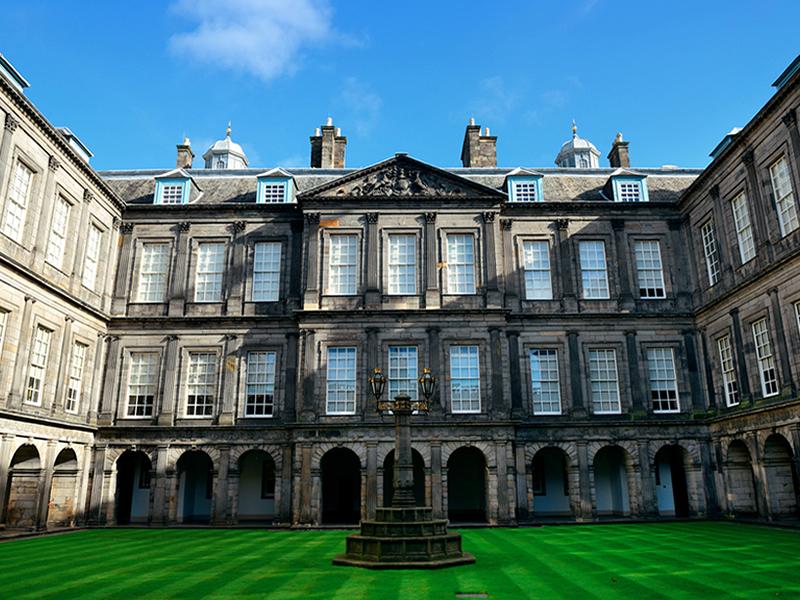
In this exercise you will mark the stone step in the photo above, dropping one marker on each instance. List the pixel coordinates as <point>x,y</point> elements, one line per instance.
<point>404,549</point>
<point>400,529</point>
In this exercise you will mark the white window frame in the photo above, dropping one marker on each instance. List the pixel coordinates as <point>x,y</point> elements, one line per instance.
<point>593,287</point>
<point>343,264</point>
<point>345,387</point>
<point>3,327</point>
<point>37,365</point>
<point>461,271</point>
<point>663,380</point>
<point>402,264</point>
<point>711,251</point>
<point>143,374</point>
<point>471,395</point>
<point>601,383</point>
<point>154,265</point>
<point>536,270</point>
<point>91,260</point>
<point>403,371</point>
<point>273,192</point>
<point>785,205</point>
<point>767,370</point>
<point>545,381</point>
<point>649,269</point>
<point>266,286</point>
<point>201,384</point>
<point>57,242</point>
<point>744,227</point>
<point>77,362</point>
<point>730,384</point>
<point>260,384</point>
<point>171,191</point>
<point>209,275</point>
<point>796,314</point>
<point>17,198</point>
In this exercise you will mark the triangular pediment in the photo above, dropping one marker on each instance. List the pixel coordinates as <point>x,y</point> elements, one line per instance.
<point>402,176</point>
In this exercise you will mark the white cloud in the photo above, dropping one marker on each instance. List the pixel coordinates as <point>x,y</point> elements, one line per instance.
<point>362,105</point>
<point>496,100</point>
<point>261,37</point>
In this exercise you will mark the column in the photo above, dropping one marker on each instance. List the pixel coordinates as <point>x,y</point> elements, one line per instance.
<point>63,364</point>
<point>372,293</point>
<point>96,508</point>
<point>165,416</point>
<point>45,485</point>
<point>311,296</point>
<point>180,270</point>
<point>498,407</point>
<point>98,367</point>
<point>436,404</point>
<point>306,485</point>
<point>680,262</point>
<point>510,275</point>
<point>575,374</point>
<point>564,246</point>
<point>161,487</point>
<point>493,297</point>
<point>230,357</point>
<point>285,509</point>
<point>710,392</point>
<point>741,363</point>
<point>709,479</point>
<point>436,481</point>
<point>584,482</point>
<point>515,377</point>
<point>372,478</point>
<point>789,119</point>
<point>121,292</point>
<point>432,296</point>
<point>295,266</point>
<point>107,399</point>
<point>9,127</point>
<point>632,350</point>
<point>503,512</point>
<point>21,360</point>
<point>521,480</point>
<point>757,205</point>
<point>626,301</point>
<point>789,387</point>
<point>309,409</point>
<point>696,389</point>
<point>80,248</point>
<point>235,274</point>
<point>288,411</point>
<point>6,447</point>
<point>649,506</point>
<point>759,476</point>
<point>372,352</point>
<point>46,209</point>
<point>221,513</point>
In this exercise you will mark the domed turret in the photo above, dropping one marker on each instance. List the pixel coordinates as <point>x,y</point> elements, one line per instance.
<point>225,154</point>
<point>578,152</point>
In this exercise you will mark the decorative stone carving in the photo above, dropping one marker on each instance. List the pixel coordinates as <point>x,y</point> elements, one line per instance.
<point>238,226</point>
<point>430,217</point>
<point>714,192</point>
<point>748,156</point>
<point>10,124</point>
<point>506,224</point>
<point>372,217</point>
<point>561,224</point>
<point>88,196</point>
<point>125,228</point>
<point>617,224</point>
<point>312,218</point>
<point>488,217</point>
<point>398,180</point>
<point>184,227</point>
<point>53,163</point>
<point>790,118</point>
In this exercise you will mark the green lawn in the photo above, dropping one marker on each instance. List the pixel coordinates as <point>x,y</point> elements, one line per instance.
<point>665,560</point>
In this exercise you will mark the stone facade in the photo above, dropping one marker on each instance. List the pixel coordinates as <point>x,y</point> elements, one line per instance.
<point>135,447</point>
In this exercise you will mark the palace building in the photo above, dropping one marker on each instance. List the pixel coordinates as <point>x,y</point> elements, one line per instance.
<point>192,345</point>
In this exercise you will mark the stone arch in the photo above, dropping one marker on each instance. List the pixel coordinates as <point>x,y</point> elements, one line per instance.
<point>387,470</point>
<point>553,481</point>
<point>257,489</point>
<point>273,450</point>
<point>781,476</point>
<point>132,487</point>
<point>196,486</point>
<point>113,454</point>
<point>740,478</point>
<point>63,489</point>
<point>570,450</point>
<point>424,450</point>
<point>22,491</point>
<point>322,449</point>
<point>613,478</point>
<point>487,448</point>
<point>341,486</point>
<point>468,484</point>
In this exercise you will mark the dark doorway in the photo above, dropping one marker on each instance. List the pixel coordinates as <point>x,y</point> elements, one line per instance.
<point>256,487</point>
<point>611,473</point>
<point>133,488</point>
<point>551,483</point>
<point>341,487</point>
<point>672,493</point>
<point>781,475</point>
<point>466,486</point>
<point>419,478</point>
<point>195,487</point>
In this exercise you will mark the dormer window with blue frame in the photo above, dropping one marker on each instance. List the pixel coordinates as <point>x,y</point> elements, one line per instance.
<point>172,191</point>
<point>275,187</point>
<point>630,188</point>
<point>524,186</point>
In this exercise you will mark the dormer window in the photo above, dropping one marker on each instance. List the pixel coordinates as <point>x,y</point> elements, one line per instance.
<point>273,192</point>
<point>275,187</point>
<point>630,189</point>
<point>524,188</point>
<point>171,191</point>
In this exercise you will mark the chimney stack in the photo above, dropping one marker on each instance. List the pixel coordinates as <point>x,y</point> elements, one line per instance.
<point>618,156</point>
<point>328,147</point>
<point>478,150</point>
<point>185,155</point>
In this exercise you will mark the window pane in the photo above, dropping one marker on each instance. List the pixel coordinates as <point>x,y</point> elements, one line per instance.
<point>460,264</point>
<point>266,271</point>
<point>210,269</point>
<point>544,378</point>
<point>536,256</point>
<point>593,270</point>
<point>649,269</point>
<point>153,271</point>
<point>18,190</point>
<point>91,258</point>
<point>403,264</point>
<point>75,378</point>
<point>465,381</point>
<point>273,192</point>
<point>343,265</point>
<point>729,381</point>
<point>142,383</point>
<point>58,233</point>
<point>663,385</point>
<point>172,193</point>
<point>784,197</point>
<point>341,381</point>
<point>201,384</point>
<point>629,191</point>
<point>38,364</point>
<point>403,372</point>
<point>603,380</point>
<point>766,361</point>
<point>711,252</point>
<point>260,393</point>
<point>525,191</point>
<point>744,229</point>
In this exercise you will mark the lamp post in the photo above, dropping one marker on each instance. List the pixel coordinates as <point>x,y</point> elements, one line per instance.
<point>402,406</point>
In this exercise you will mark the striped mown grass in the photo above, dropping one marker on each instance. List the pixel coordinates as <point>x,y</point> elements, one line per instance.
<point>664,560</point>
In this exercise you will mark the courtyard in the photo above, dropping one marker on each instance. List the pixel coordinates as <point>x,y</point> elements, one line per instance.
<point>655,560</point>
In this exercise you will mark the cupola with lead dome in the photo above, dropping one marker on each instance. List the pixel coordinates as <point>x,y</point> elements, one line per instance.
<point>578,153</point>
<point>225,154</point>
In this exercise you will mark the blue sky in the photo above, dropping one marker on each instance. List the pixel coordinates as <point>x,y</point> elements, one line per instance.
<point>132,78</point>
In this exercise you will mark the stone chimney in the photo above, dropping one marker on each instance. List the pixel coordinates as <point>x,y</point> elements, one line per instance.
<point>185,155</point>
<point>618,156</point>
<point>328,147</point>
<point>478,150</point>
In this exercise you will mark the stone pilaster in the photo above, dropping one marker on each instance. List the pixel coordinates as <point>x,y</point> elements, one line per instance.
<point>515,377</point>
<point>288,410</point>
<point>231,354</point>
<point>649,507</point>
<point>575,374</point>
<point>97,515</point>
<point>6,447</point>
<point>786,379</point>
<point>586,509</point>
<point>221,514</point>
<point>105,415</point>
<point>510,275</point>
<point>742,377</point>
<point>47,205</point>
<point>432,295</point>
<point>372,293</point>
<point>372,479</point>
<point>695,388</point>
<point>161,488</point>
<point>9,127</point>
<point>21,361</point>
<point>121,292</point>
<point>63,366</point>
<point>180,270</point>
<point>309,409</point>
<point>294,296</point>
<point>165,415</point>
<point>311,297</point>
<point>498,407</point>
<point>626,297</point>
<point>235,274</point>
<point>494,298</point>
<point>709,374</point>
<point>569,299</point>
<point>436,404</point>
<point>757,205</point>
<point>521,481</point>
<point>436,481</point>
<point>285,508</point>
<point>632,350</point>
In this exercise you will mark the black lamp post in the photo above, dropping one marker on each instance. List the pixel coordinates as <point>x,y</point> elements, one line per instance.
<point>402,406</point>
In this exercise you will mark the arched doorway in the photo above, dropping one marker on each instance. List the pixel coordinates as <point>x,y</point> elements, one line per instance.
<point>132,496</point>
<point>61,512</point>
<point>550,483</point>
<point>22,495</point>
<point>672,492</point>
<point>611,472</point>
<point>782,482</point>
<point>195,487</point>
<point>419,478</point>
<point>256,487</point>
<point>466,486</point>
<point>341,487</point>
<point>741,485</point>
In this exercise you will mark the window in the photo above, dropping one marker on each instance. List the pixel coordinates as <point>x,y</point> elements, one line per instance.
<point>536,256</point>
<point>75,377</point>
<point>142,383</point>
<point>3,324</point>
<point>594,278</point>
<point>403,265</point>
<point>341,381</point>
<point>170,193</point>
<point>796,312</point>
<point>266,271</point>
<point>744,229</point>
<point>630,191</point>
<point>18,191</point>
<point>784,197</point>
<point>766,361</point>
<point>153,272</point>
<point>663,384</point>
<point>58,233</point>
<point>526,190</point>
<point>200,384</point>
<point>465,379</point>
<point>649,269</point>
<point>729,383</point>
<point>604,381</point>
<point>343,265</point>
<point>92,256</point>
<point>460,263</point>
<point>38,365</point>
<point>710,251</point>
<point>260,401</point>
<point>403,371</point>
<point>210,268</point>
<point>544,378</point>
<point>272,192</point>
